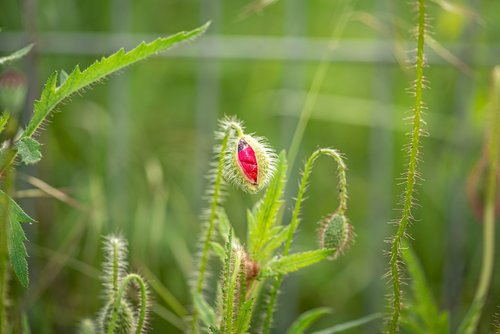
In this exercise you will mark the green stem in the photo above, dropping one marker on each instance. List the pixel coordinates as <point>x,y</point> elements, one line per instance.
<point>469,325</point>
<point>294,223</point>
<point>214,203</point>
<point>411,173</point>
<point>143,301</point>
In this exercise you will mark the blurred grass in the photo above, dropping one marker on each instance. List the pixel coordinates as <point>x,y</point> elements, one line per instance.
<point>162,175</point>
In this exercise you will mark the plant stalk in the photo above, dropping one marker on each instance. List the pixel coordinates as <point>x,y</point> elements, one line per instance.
<point>411,173</point>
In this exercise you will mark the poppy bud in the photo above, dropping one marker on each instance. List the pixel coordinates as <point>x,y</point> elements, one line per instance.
<point>125,322</point>
<point>249,163</point>
<point>336,233</point>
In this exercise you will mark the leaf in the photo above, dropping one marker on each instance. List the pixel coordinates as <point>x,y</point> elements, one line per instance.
<point>244,316</point>
<point>16,211</point>
<point>4,118</point>
<point>218,250</point>
<point>17,251</point>
<point>263,217</point>
<point>63,76</point>
<point>350,324</point>
<point>52,95</point>
<point>16,55</point>
<point>16,237</point>
<point>29,150</point>
<point>206,312</point>
<point>305,320</point>
<point>294,262</point>
<point>422,314</point>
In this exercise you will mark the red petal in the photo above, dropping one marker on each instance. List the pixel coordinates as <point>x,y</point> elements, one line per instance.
<point>248,161</point>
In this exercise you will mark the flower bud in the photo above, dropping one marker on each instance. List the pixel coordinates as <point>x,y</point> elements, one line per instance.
<point>336,233</point>
<point>249,163</point>
<point>13,90</point>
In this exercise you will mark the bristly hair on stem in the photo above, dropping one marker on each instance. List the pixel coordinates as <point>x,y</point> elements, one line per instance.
<point>411,174</point>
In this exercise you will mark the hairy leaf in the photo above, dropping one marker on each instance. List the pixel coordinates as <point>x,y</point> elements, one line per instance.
<point>294,262</point>
<point>263,217</point>
<point>305,320</point>
<point>244,316</point>
<point>17,251</point>
<point>52,94</point>
<point>16,55</point>
<point>29,150</point>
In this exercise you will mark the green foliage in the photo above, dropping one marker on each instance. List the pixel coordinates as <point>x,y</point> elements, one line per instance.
<point>17,251</point>
<point>16,238</point>
<point>29,150</point>
<point>422,314</point>
<point>306,319</point>
<point>16,55</point>
<point>290,263</point>
<point>264,232</point>
<point>206,312</point>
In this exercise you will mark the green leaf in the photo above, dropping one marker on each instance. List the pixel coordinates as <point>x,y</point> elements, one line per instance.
<point>52,95</point>
<point>17,251</point>
<point>294,262</point>
<point>218,250</point>
<point>4,118</point>
<point>16,55</point>
<point>350,324</point>
<point>206,312</point>
<point>63,76</point>
<point>29,150</point>
<point>16,211</point>
<point>244,316</point>
<point>263,217</point>
<point>305,320</point>
<point>422,314</point>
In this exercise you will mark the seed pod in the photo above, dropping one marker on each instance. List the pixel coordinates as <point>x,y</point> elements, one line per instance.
<point>336,233</point>
<point>249,163</point>
<point>125,322</point>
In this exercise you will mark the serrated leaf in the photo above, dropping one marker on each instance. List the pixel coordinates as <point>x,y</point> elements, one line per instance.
<point>16,211</point>
<point>206,312</point>
<point>63,76</point>
<point>29,150</point>
<point>17,251</point>
<point>350,324</point>
<point>305,320</point>
<point>294,262</point>
<point>16,55</point>
<point>52,95</point>
<point>263,217</point>
<point>244,316</point>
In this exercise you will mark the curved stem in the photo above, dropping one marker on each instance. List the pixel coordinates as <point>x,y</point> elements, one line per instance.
<point>411,173</point>
<point>342,207</point>
<point>144,302</point>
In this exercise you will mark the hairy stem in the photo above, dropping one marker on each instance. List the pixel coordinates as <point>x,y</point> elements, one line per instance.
<point>294,223</point>
<point>214,202</point>
<point>143,302</point>
<point>411,173</point>
<point>471,321</point>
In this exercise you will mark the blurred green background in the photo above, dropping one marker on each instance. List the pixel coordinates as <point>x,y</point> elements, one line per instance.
<point>132,152</point>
